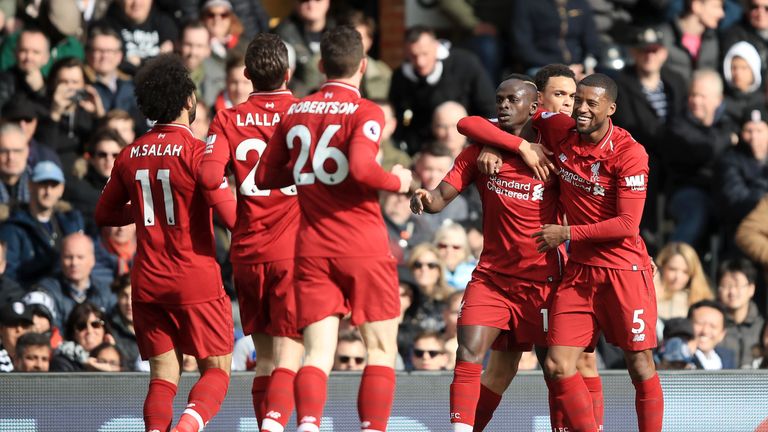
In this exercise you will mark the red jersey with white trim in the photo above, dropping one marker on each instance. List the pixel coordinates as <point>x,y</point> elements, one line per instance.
<point>515,205</point>
<point>176,256</point>
<point>594,178</point>
<point>329,142</point>
<point>267,220</point>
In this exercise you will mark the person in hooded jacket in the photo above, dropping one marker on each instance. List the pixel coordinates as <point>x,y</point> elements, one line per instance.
<point>743,89</point>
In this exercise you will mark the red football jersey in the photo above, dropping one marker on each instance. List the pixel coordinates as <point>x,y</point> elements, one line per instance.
<point>329,142</point>
<point>515,205</point>
<point>593,178</point>
<point>175,259</point>
<point>267,220</point>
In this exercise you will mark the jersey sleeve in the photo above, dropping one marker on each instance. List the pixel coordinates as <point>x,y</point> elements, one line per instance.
<point>113,209</point>
<point>464,170</point>
<point>223,203</point>
<point>273,172</point>
<point>632,173</point>
<point>482,130</point>
<point>363,147</point>
<point>216,156</point>
<point>553,127</point>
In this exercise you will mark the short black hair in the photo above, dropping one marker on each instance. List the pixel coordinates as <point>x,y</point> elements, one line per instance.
<point>104,134</point>
<point>29,340</point>
<point>102,30</point>
<point>58,66</point>
<point>604,82</point>
<point>266,61</point>
<point>120,283</point>
<point>413,33</point>
<point>739,265</point>
<point>80,314</point>
<point>707,303</point>
<point>163,86</point>
<point>520,77</point>
<point>550,71</point>
<point>190,24</point>
<point>435,149</point>
<point>341,50</point>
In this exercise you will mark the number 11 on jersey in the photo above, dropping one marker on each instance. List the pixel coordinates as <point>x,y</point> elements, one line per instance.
<point>148,207</point>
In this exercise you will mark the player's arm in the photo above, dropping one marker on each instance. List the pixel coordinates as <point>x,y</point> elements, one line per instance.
<point>363,147</point>
<point>215,158</point>
<point>463,173</point>
<point>113,208</point>
<point>273,172</point>
<point>485,132</point>
<point>223,203</point>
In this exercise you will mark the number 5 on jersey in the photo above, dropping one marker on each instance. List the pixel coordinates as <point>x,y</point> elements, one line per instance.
<point>322,153</point>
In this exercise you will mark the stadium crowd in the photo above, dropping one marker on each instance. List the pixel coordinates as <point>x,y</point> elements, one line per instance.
<point>691,91</point>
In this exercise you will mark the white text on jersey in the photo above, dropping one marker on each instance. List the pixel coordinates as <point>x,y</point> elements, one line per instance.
<point>316,107</point>
<point>156,150</point>
<point>258,119</point>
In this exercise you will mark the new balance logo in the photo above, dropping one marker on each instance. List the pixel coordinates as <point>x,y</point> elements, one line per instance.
<point>160,136</point>
<point>269,104</point>
<point>638,338</point>
<point>328,95</point>
<point>636,182</point>
<point>274,414</point>
<point>365,425</point>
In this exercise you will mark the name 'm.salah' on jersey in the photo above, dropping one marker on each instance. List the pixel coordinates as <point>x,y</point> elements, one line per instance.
<point>267,220</point>
<point>329,141</point>
<point>175,259</point>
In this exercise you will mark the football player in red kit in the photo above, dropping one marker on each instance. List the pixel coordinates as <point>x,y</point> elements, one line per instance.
<point>327,144</point>
<point>179,304</point>
<point>608,282</point>
<point>264,235</point>
<point>510,287</point>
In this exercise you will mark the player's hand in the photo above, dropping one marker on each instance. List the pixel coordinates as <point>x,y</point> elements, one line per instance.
<point>418,199</point>
<point>551,236</point>
<point>405,175</point>
<point>535,156</point>
<point>489,161</point>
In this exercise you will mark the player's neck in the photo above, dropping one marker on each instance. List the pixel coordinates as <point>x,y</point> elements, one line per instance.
<point>183,119</point>
<point>283,87</point>
<point>353,81</point>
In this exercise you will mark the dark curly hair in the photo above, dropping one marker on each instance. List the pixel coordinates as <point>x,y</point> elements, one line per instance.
<point>550,71</point>
<point>163,86</point>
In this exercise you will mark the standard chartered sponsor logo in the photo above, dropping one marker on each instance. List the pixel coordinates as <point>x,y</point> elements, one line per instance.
<point>516,190</point>
<point>575,179</point>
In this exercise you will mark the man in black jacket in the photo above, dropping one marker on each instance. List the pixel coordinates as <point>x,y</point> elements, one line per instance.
<point>25,78</point>
<point>431,75</point>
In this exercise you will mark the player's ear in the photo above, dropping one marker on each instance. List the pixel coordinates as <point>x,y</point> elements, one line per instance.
<point>246,74</point>
<point>287,76</point>
<point>612,109</point>
<point>534,107</point>
<point>363,65</point>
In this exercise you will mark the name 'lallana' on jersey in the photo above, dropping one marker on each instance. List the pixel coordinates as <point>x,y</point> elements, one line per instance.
<point>258,119</point>
<point>156,150</point>
<point>319,107</point>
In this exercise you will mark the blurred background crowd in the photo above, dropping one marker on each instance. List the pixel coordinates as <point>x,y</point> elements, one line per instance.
<point>691,90</point>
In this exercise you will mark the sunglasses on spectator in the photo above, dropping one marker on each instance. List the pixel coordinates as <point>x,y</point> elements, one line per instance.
<point>446,246</point>
<point>104,155</point>
<point>348,359</point>
<point>430,265</point>
<point>95,324</point>
<point>222,15</point>
<point>432,353</point>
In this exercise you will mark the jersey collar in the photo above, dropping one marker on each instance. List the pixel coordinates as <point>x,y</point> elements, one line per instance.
<point>270,93</point>
<point>173,126</point>
<point>603,147</point>
<point>345,86</point>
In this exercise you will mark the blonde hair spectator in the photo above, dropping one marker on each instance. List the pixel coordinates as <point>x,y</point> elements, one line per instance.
<point>681,281</point>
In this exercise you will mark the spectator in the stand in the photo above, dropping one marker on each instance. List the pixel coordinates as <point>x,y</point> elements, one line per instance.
<point>753,29</point>
<point>33,233</point>
<point>430,76</point>
<point>708,318</point>
<point>699,138</point>
<point>428,353</point>
<point>26,78</point>
<point>25,114</point>
<point>14,171</point>
<point>650,96</point>
<point>752,238</point>
<point>115,250</point>
<point>302,31</point>
<point>121,319</point>
<point>408,323</point>
<point>444,121</point>
<point>743,322</point>
<point>251,14</point>
<point>350,352</point>
<point>75,108</point>
<point>43,315</point>
<point>377,77</point>
<point>75,284</point>
<point>225,30</point>
<point>33,353</point>
<point>390,151</point>
<point>741,177</point>
<point>121,122</point>
<point>680,281</point>
<point>15,320</point>
<point>61,22</point>
<point>474,237</point>
<point>453,247</point>
<point>107,358</point>
<point>86,328</point>
<point>195,50</point>
<point>761,362</point>
<point>429,273</point>
<point>84,190</point>
<point>674,354</point>
<point>430,167</point>
<point>104,53</point>
<point>743,81</point>
<point>681,328</point>
<point>691,38</point>
<point>554,31</point>
<point>451,318</point>
<point>10,290</point>
<point>405,230</point>
<point>237,87</point>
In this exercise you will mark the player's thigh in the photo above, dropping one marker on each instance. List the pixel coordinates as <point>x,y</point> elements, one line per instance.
<point>380,339</point>
<point>501,370</point>
<point>252,296</point>
<point>370,287</point>
<point>625,308</point>
<point>485,303</point>
<point>530,302</point>
<point>288,352</point>
<point>281,293</point>
<point>155,328</point>
<point>317,295</point>
<point>571,316</point>
<point>264,347</point>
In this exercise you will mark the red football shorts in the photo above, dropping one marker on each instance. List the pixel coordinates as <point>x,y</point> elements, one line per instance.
<point>518,307</point>
<point>365,286</point>
<point>201,329</point>
<point>621,303</point>
<point>266,297</point>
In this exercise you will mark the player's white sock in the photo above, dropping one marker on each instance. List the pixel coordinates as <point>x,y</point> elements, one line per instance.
<point>271,425</point>
<point>462,427</point>
<point>370,430</point>
<point>308,427</point>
